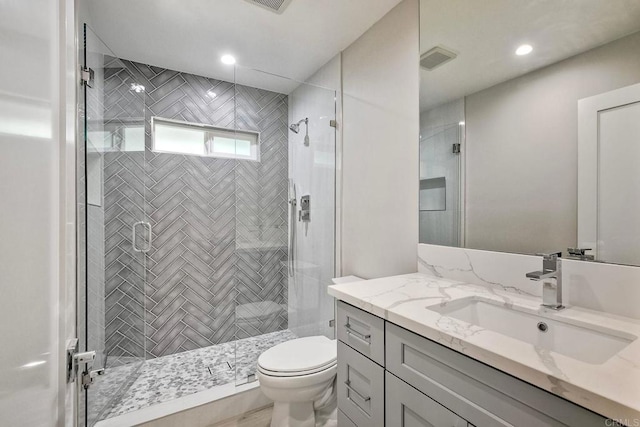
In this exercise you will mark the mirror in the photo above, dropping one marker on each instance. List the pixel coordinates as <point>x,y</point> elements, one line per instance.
<point>530,126</point>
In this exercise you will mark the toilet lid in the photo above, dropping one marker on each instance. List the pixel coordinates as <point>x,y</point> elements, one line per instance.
<point>301,356</point>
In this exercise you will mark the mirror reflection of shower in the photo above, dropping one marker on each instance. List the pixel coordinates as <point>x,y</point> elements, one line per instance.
<point>295,128</point>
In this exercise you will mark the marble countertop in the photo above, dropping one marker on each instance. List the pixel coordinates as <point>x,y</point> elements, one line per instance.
<point>611,388</point>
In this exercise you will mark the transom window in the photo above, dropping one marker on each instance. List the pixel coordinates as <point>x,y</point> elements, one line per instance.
<point>171,136</point>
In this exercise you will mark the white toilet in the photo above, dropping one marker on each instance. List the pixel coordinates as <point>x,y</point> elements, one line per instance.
<point>299,376</point>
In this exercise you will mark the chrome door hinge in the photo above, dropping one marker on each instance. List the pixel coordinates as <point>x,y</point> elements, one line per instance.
<point>86,76</point>
<point>88,377</point>
<point>81,361</point>
<point>72,350</point>
<point>456,148</point>
<point>333,123</point>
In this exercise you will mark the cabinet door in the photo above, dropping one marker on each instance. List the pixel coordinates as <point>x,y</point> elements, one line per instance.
<point>362,331</point>
<point>360,386</point>
<point>344,421</point>
<point>481,394</point>
<point>407,407</point>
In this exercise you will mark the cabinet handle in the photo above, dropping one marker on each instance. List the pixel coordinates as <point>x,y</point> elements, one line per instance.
<point>351,389</point>
<point>365,338</point>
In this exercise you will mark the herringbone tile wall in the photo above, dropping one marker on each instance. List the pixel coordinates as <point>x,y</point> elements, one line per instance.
<point>219,225</point>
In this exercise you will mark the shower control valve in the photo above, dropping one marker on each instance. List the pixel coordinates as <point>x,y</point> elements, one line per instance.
<point>304,214</point>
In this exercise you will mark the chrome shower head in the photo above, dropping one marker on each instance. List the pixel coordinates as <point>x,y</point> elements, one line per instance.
<point>295,128</point>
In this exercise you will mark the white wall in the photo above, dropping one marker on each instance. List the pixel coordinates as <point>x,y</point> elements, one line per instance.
<point>37,88</point>
<point>522,149</point>
<point>380,85</point>
<point>313,170</point>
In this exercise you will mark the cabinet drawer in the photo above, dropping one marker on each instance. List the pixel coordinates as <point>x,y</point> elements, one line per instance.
<point>361,331</point>
<point>360,385</point>
<point>482,395</point>
<point>407,407</point>
<point>344,421</point>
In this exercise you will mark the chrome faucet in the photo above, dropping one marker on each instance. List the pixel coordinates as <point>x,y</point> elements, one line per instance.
<point>581,254</point>
<point>551,276</point>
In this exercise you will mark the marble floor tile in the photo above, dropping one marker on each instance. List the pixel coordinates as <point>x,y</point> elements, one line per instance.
<point>258,418</point>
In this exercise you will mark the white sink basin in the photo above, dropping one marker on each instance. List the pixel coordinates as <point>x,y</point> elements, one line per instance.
<point>578,341</point>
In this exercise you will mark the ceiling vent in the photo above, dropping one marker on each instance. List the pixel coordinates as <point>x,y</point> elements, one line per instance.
<point>436,57</point>
<point>277,6</point>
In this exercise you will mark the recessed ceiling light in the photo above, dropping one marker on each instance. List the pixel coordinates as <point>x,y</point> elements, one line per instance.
<point>136,87</point>
<point>525,49</point>
<point>228,59</point>
<point>212,94</point>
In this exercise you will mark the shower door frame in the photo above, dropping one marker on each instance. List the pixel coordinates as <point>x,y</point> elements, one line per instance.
<point>91,78</point>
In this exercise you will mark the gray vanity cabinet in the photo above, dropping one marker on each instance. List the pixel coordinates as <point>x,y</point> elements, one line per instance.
<point>361,331</point>
<point>407,407</point>
<point>360,379</point>
<point>418,382</point>
<point>344,421</point>
<point>360,383</point>
<point>479,393</point>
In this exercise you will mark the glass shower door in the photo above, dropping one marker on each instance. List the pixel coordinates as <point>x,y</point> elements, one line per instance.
<point>440,184</point>
<point>114,232</point>
<point>284,215</point>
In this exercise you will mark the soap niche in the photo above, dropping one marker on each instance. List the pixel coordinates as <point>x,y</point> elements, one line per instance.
<point>433,194</point>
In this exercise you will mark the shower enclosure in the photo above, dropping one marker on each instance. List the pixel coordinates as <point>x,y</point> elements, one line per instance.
<point>206,226</point>
<point>442,136</point>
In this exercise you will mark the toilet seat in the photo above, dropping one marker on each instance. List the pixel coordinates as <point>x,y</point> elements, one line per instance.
<point>299,357</point>
<point>296,374</point>
<point>297,382</point>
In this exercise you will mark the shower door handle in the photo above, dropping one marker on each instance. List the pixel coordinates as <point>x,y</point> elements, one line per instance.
<point>147,226</point>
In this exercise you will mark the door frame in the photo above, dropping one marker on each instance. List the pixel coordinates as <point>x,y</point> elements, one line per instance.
<point>588,142</point>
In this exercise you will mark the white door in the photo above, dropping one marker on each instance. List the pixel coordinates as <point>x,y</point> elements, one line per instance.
<point>609,175</point>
